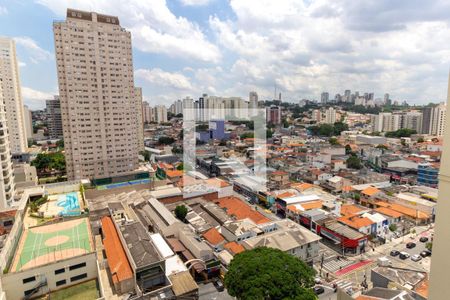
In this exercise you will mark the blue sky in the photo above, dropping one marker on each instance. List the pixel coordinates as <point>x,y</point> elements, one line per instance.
<point>228,48</point>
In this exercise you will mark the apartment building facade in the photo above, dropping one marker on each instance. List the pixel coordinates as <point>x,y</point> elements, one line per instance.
<point>54,122</point>
<point>96,88</point>
<point>12,97</point>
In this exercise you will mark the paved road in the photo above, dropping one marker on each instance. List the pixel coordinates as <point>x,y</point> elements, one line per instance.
<point>209,292</point>
<point>329,294</point>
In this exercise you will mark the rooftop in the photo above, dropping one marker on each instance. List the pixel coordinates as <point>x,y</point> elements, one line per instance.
<point>238,208</point>
<point>139,245</point>
<point>213,236</point>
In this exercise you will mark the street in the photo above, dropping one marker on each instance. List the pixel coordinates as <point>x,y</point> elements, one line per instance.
<point>207,291</point>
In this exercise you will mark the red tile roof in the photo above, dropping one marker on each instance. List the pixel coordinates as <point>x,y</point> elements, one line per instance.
<point>213,236</point>
<point>234,248</point>
<point>117,260</point>
<point>235,206</point>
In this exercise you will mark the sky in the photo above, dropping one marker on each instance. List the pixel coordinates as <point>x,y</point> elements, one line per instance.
<point>229,48</point>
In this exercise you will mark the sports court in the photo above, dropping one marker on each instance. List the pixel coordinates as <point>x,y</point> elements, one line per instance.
<point>122,184</point>
<point>41,245</point>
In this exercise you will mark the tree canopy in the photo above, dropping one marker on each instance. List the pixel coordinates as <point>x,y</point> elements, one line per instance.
<point>181,212</point>
<point>267,273</point>
<point>353,162</point>
<point>165,140</point>
<point>328,129</point>
<point>45,162</point>
<point>404,132</point>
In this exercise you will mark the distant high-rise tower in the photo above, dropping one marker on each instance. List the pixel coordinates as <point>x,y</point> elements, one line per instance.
<point>53,108</point>
<point>324,97</point>
<point>138,117</point>
<point>28,120</point>
<point>330,115</point>
<point>12,97</point>
<point>273,114</point>
<point>253,99</point>
<point>96,88</point>
<point>387,100</point>
<point>347,96</point>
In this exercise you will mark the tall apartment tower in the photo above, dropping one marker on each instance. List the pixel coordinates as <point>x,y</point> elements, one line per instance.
<point>7,186</point>
<point>96,89</point>
<point>324,97</point>
<point>28,119</point>
<point>138,117</point>
<point>12,97</point>
<point>440,264</point>
<point>330,115</point>
<point>53,108</point>
<point>253,99</point>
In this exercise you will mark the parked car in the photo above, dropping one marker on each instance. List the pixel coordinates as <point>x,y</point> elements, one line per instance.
<point>395,252</point>
<point>416,257</point>
<point>410,245</point>
<point>425,253</point>
<point>404,255</point>
<point>423,239</point>
<point>317,280</point>
<point>219,285</point>
<point>318,290</point>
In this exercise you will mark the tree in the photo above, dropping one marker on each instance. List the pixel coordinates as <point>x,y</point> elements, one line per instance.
<point>353,162</point>
<point>381,146</point>
<point>247,135</point>
<point>429,245</point>
<point>348,149</point>
<point>392,227</point>
<point>166,140</point>
<point>181,212</point>
<point>267,273</point>
<point>404,132</point>
<point>333,141</point>
<point>420,140</point>
<point>60,144</point>
<point>45,162</point>
<point>180,167</point>
<point>339,127</point>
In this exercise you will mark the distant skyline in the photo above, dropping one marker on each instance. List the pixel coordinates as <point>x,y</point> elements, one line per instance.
<point>229,48</point>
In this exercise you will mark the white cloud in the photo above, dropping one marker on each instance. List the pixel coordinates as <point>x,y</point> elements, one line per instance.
<point>155,29</point>
<point>35,99</point>
<point>159,77</point>
<point>3,10</point>
<point>35,52</point>
<point>22,64</point>
<point>195,2</point>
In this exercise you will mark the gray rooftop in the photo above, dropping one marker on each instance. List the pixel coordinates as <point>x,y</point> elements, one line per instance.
<point>137,240</point>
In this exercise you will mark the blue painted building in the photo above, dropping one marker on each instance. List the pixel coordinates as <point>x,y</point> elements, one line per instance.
<point>216,131</point>
<point>427,175</point>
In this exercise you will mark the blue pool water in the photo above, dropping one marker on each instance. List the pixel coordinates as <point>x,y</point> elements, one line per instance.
<point>69,203</point>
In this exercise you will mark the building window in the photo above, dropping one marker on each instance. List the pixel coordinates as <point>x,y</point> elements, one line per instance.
<point>59,271</point>
<point>60,282</point>
<point>28,292</point>
<point>29,279</point>
<point>78,277</point>
<point>74,267</point>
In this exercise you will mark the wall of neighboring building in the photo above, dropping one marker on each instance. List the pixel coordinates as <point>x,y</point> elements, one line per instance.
<point>14,287</point>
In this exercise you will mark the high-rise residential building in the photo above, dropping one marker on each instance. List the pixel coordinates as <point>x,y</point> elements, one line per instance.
<point>253,99</point>
<point>440,264</point>
<point>324,97</point>
<point>412,120</point>
<point>7,185</point>
<point>138,117</point>
<point>178,107</point>
<point>438,119</point>
<point>12,97</point>
<point>347,96</point>
<point>96,89</point>
<point>387,100</point>
<point>147,113</point>
<point>160,113</point>
<point>54,121</point>
<point>330,115</point>
<point>377,123</point>
<point>273,114</point>
<point>28,122</point>
<point>317,115</point>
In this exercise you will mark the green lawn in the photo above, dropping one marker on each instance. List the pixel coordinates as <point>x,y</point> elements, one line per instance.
<point>83,291</point>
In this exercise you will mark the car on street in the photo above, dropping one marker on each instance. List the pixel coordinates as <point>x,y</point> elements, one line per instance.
<point>416,257</point>
<point>410,245</point>
<point>425,253</point>
<point>395,252</point>
<point>404,255</point>
<point>318,290</point>
<point>219,285</point>
<point>317,280</point>
<point>423,239</point>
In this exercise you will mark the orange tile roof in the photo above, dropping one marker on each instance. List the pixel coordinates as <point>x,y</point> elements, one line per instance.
<point>213,236</point>
<point>217,182</point>
<point>279,173</point>
<point>175,173</point>
<point>356,222</point>
<point>302,186</point>
<point>307,205</point>
<point>370,191</point>
<point>235,206</point>
<point>117,260</point>
<point>347,188</point>
<point>404,210</point>
<point>350,210</point>
<point>286,195</point>
<point>234,247</point>
<point>388,212</point>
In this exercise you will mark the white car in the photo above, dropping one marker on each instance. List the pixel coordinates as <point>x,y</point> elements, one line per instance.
<point>416,257</point>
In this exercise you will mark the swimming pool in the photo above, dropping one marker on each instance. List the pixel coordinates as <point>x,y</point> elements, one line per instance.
<point>122,184</point>
<point>70,204</point>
